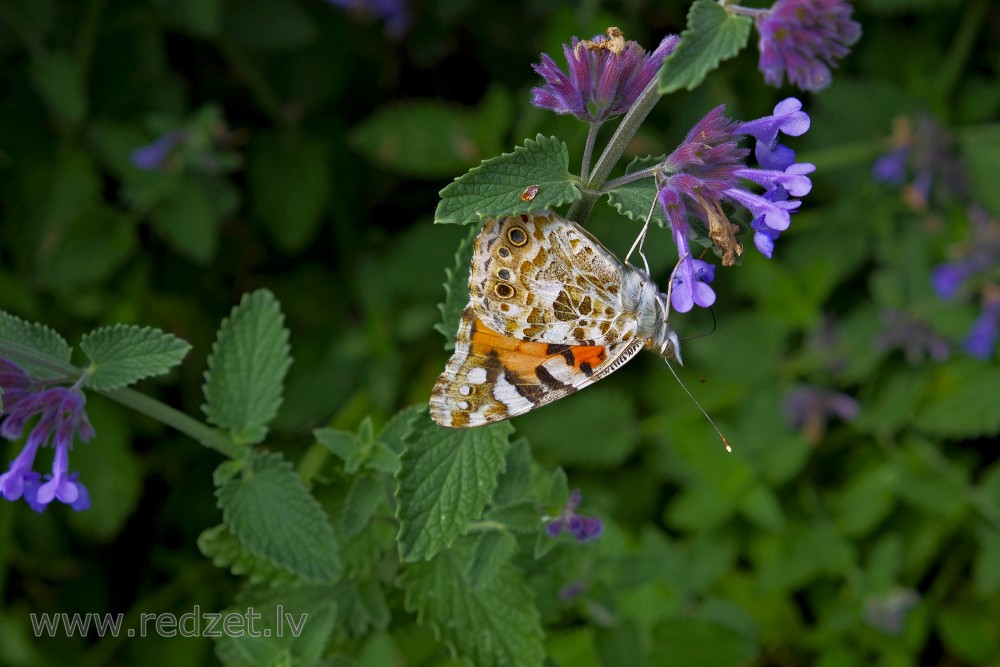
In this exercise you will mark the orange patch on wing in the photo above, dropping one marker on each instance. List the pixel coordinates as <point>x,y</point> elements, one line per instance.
<point>522,357</point>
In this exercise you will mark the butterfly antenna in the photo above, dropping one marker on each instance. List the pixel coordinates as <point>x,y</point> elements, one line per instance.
<point>691,396</point>
<point>641,238</point>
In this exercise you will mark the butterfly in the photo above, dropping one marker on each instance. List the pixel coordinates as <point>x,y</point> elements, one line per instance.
<point>551,311</point>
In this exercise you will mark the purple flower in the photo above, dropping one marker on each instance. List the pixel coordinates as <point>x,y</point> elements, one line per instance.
<point>982,338</point>
<point>606,76</point>
<point>948,278</point>
<point>61,417</point>
<point>582,528</point>
<point>922,148</point>
<point>809,407</point>
<point>804,39</point>
<point>153,156</point>
<point>395,13</point>
<point>708,169</point>
<point>887,612</point>
<point>891,167</point>
<point>916,338</point>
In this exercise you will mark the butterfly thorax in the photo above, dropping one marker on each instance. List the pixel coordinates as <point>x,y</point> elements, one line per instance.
<point>640,296</point>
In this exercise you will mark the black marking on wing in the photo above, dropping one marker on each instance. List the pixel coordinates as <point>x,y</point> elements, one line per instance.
<point>533,392</point>
<point>565,350</point>
<point>548,380</point>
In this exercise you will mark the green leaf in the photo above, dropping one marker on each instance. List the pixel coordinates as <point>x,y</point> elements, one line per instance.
<point>290,184</point>
<point>456,290</point>
<point>394,433</point>
<point>634,200</point>
<point>289,27</point>
<point>446,479</point>
<point>246,370</point>
<point>961,402</point>
<point>493,551</point>
<point>187,220</point>
<point>34,335</point>
<point>226,551</point>
<point>969,635</point>
<point>269,510</point>
<point>930,482</point>
<point>496,625</point>
<point>420,138</point>
<point>594,428</point>
<point>762,506</point>
<point>123,354</point>
<point>986,563</point>
<point>58,79</point>
<point>495,186</point>
<point>343,444</point>
<point>361,606</point>
<point>620,644</point>
<point>91,247</point>
<point>689,641</point>
<point>514,484</point>
<point>291,625</point>
<point>366,494</point>
<point>867,498</point>
<point>712,35</point>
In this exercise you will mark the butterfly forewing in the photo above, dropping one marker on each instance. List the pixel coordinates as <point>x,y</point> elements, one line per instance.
<point>543,278</point>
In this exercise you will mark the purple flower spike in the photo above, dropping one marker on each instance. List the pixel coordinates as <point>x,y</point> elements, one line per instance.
<point>891,167</point>
<point>982,338</point>
<point>605,76</point>
<point>61,418</point>
<point>809,408</point>
<point>582,528</point>
<point>948,279</point>
<point>153,156</point>
<point>804,39</point>
<point>709,169</point>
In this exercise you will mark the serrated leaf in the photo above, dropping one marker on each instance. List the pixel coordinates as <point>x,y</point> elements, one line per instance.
<point>422,138</point>
<point>446,479</point>
<point>225,551</point>
<point>246,370</point>
<point>367,491</point>
<point>496,185</point>
<point>493,551</point>
<point>291,626</point>
<point>345,445</point>
<point>361,606</point>
<point>634,200</point>
<point>34,335</point>
<point>492,626</point>
<point>456,290</point>
<point>514,484</point>
<point>123,354</point>
<point>712,35</point>
<point>269,510</point>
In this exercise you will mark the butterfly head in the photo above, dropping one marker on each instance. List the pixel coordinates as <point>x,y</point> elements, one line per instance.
<point>652,310</point>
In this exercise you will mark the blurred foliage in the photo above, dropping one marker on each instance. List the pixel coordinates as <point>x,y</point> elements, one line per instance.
<point>305,148</point>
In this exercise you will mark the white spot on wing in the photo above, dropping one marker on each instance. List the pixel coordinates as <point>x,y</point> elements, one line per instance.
<point>465,390</point>
<point>477,375</point>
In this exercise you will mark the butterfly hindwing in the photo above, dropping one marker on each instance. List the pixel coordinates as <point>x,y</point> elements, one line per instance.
<point>492,377</point>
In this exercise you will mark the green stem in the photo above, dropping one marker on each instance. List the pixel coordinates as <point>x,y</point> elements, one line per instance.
<point>87,37</point>
<point>206,435</point>
<point>580,209</point>
<point>150,407</point>
<point>255,82</point>
<point>629,178</point>
<point>588,150</point>
<point>961,47</point>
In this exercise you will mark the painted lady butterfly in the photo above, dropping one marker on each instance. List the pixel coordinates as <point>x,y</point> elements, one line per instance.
<point>551,311</point>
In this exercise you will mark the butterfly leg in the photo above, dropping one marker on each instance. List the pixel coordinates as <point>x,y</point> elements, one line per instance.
<point>640,239</point>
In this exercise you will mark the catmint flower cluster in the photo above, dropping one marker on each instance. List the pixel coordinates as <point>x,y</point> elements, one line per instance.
<point>808,408</point>
<point>804,39</point>
<point>605,76</point>
<point>709,169</point>
<point>582,528</point>
<point>61,417</point>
